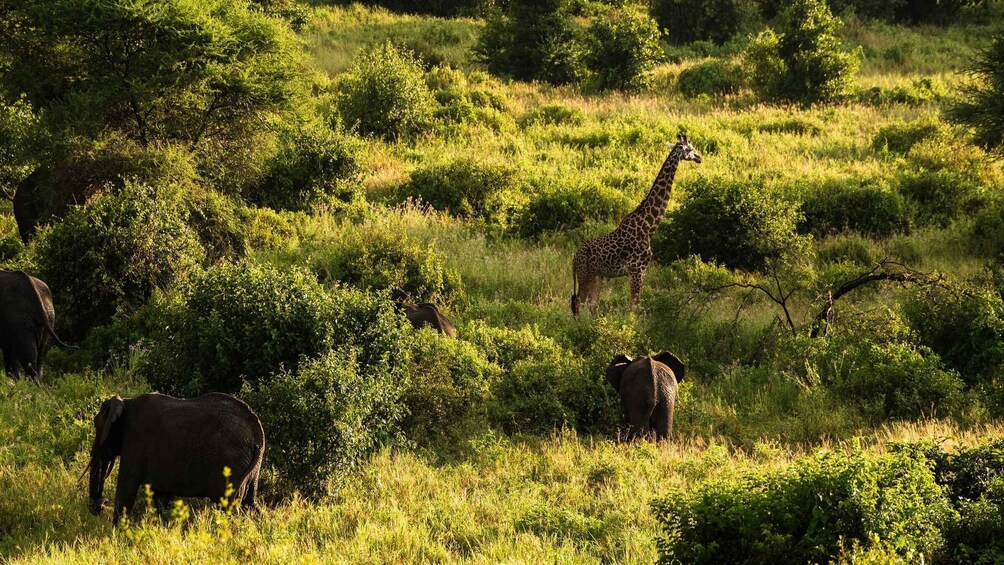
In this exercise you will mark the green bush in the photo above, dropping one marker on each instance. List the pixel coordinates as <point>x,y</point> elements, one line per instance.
<point>987,233</point>
<point>311,165</point>
<point>10,239</point>
<point>893,380</point>
<point>533,40</point>
<point>533,397</point>
<point>919,92</point>
<point>384,259</point>
<point>714,77</point>
<point>804,60</point>
<point>716,20</point>
<point>553,115</point>
<point>565,207</point>
<point>740,224</point>
<point>900,137</point>
<point>981,106</point>
<point>448,392</point>
<point>469,189</point>
<point>836,207</point>
<point>622,48</point>
<point>112,253</point>
<point>385,94</point>
<point>808,512</point>
<point>326,417</point>
<point>944,184</point>
<point>964,325</point>
<point>850,248</point>
<point>241,322</point>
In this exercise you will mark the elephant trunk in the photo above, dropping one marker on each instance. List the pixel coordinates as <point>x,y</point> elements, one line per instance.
<point>99,472</point>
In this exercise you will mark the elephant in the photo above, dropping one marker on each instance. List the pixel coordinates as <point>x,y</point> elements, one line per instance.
<point>648,387</point>
<point>178,447</point>
<point>27,318</point>
<point>427,315</point>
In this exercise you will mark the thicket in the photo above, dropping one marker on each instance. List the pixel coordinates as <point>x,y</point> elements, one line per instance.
<point>238,323</point>
<point>717,21</point>
<point>740,224</point>
<point>915,502</point>
<point>111,254</point>
<point>622,48</point>
<point>385,94</point>
<point>712,78</point>
<point>803,59</point>
<point>835,207</point>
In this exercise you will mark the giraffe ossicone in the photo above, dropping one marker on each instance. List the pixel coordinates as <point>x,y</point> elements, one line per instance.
<point>627,250</point>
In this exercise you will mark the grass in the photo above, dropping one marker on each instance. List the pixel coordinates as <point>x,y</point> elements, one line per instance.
<point>564,498</point>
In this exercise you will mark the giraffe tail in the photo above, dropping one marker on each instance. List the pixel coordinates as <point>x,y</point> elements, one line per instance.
<point>575,293</point>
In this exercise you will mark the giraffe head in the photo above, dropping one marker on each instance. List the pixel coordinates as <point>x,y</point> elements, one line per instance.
<point>686,150</point>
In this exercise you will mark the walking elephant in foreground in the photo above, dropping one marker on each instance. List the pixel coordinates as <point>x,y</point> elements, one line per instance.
<point>27,318</point>
<point>427,315</point>
<point>178,447</point>
<point>648,387</point>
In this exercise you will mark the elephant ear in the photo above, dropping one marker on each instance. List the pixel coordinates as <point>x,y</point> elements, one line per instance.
<point>110,412</point>
<point>673,362</point>
<point>616,370</point>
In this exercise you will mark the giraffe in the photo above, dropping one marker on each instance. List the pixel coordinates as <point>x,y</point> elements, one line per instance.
<point>628,249</point>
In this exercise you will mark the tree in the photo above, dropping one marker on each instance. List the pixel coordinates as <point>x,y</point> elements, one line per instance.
<point>981,106</point>
<point>623,48</point>
<point>205,73</point>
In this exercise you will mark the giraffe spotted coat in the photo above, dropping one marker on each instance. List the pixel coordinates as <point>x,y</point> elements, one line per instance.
<point>627,250</point>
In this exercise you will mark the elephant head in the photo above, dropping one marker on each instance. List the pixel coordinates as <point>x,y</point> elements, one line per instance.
<point>616,370</point>
<point>106,448</point>
<point>673,362</point>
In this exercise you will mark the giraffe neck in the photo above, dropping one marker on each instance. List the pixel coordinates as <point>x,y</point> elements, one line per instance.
<point>652,208</point>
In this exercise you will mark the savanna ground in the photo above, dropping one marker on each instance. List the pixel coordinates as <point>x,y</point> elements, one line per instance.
<point>749,404</point>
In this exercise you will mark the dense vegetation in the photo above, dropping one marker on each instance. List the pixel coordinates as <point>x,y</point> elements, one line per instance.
<point>231,196</point>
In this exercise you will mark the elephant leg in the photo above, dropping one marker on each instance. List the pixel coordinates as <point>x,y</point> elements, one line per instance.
<point>125,493</point>
<point>663,420</point>
<point>10,363</point>
<point>248,500</point>
<point>164,504</point>
<point>639,414</point>
<point>26,354</point>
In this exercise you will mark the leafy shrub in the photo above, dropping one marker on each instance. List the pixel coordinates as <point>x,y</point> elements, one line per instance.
<point>712,78</point>
<point>385,94</point>
<point>740,224</point>
<point>488,192</point>
<point>467,99</point>
<point>920,91</point>
<point>964,325</point>
<point>900,137</point>
<point>717,20</point>
<point>988,231</point>
<point>564,207</point>
<point>623,46</point>
<point>449,390</point>
<point>535,398</point>
<point>552,115</point>
<point>17,121</point>
<point>533,39</point>
<point>10,239</point>
<point>325,417</point>
<point>807,512</point>
<point>981,106</point>
<point>312,164</point>
<point>384,259</point>
<point>241,322</point>
<point>804,61</point>
<point>836,207</point>
<point>895,380</point>
<point>945,184</point>
<point>115,251</point>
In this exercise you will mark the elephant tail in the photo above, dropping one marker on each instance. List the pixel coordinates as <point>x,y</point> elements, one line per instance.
<point>41,304</point>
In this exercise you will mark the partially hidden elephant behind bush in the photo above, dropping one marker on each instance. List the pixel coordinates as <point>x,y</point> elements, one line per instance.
<point>26,323</point>
<point>178,447</point>
<point>427,315</point>
<point>648,387</point>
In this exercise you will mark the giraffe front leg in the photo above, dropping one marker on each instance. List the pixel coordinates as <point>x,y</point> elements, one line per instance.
<point>636,279</point>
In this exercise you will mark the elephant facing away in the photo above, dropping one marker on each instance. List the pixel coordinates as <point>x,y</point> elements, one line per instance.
<point>178,447</point>
<point>427,315</point>
<point>648,387</point>
<point>27,318</point>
